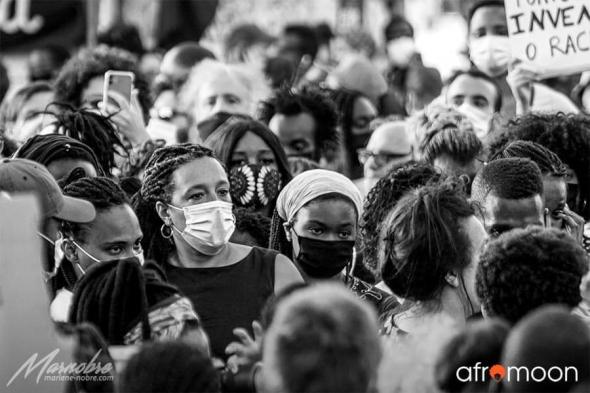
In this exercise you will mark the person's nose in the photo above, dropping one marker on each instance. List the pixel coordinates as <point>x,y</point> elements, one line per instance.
<point>371,163</point>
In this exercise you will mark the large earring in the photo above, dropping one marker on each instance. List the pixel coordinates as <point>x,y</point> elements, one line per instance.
<point>166,231</point>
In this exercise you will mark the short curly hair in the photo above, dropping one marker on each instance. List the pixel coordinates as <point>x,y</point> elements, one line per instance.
<point>527,268</point>
<point>89,63</point>
<point>254,224</point>
<point>384,196</point>
<point>423,239</point>
<point>567,135</point>
<point>308,100</point>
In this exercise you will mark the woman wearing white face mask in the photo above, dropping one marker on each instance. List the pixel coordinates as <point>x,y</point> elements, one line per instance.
<point>489,50</point>
<point>185,210</point>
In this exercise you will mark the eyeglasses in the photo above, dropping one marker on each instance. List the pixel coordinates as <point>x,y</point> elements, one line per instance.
<point>380,158</point>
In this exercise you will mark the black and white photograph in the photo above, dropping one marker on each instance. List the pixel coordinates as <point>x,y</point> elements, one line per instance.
<point>295,196</point>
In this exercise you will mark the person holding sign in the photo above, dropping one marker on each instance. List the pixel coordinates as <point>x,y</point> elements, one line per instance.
<point>490,52</point>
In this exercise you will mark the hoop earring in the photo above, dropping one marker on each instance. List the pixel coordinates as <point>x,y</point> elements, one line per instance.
<point>166,231</point>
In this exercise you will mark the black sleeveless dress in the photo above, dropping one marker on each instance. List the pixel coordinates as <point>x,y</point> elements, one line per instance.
<point>228,297</point>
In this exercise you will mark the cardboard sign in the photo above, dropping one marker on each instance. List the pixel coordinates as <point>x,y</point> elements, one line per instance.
<point>553,36</point>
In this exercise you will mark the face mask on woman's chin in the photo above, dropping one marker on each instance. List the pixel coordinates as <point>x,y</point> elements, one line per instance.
<point>491,54</point>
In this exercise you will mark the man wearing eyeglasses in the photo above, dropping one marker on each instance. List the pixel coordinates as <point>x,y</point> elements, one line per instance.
<point>389,145</point>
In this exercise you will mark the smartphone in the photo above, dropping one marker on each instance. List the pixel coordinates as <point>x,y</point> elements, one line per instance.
<point>120,82</point>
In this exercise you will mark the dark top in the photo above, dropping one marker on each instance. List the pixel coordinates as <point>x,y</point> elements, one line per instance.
<point>228,297</point>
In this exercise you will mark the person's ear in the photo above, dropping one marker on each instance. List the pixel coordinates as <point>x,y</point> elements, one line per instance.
<point>287,229</point>
<point>164,212</point>
<point>70,250</point>
<point>452,279</point>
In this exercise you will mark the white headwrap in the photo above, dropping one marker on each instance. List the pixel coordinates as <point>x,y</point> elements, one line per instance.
<point>312,184</point>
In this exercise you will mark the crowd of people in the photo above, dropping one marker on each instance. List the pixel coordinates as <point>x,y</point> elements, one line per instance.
<point>286,216</point>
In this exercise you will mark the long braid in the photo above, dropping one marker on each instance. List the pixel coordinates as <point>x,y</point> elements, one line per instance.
<point>94,130</point>
<point>157,187</point>
<point>547,161</point>
<point>278,240</point>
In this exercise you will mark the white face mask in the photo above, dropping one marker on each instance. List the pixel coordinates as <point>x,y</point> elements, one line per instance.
<point>208,226</point>
<point>58,254</point>
<point>401,50</point>
<point>490,54</point>
<point>479,118</point>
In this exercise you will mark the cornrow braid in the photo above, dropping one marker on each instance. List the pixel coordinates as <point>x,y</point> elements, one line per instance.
<point>547,161</point>
<point>103,193</point>
<point>94,130</point>
<point>157,186</point>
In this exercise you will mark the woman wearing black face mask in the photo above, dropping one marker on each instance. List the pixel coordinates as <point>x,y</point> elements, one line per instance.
<point>256,162</point>
<point>316,221</point>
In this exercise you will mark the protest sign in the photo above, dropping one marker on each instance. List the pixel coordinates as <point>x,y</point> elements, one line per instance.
<point>553,36</point>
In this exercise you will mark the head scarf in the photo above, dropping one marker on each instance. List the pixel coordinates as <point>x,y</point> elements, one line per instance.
<point>312,184</point>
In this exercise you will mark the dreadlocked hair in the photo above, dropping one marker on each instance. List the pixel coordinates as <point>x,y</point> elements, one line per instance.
<point>308,100</point>
<point>345,100</point>
<point>157,187</point>
<point>104,194</point>
<point>92,129</point>
<point>547,161</point>
<point>384,196</point>
<point>567,135</point>
<point>112,296</point>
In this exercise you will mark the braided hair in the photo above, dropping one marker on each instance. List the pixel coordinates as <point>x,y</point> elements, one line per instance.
<point>104,194</point>
<point>46,149</point>
<point>112,295</point>
<point>446,131</point>
<point>92,129</point>
<point>547,161</point>
<point>157,187</point>
<point>567,135</point>
<point>345,100</point>
<point>384,196</point>
<point>172,366</point>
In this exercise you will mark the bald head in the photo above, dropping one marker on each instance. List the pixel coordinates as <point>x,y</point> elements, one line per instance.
<point>389,145</point>
<point>548,337</point>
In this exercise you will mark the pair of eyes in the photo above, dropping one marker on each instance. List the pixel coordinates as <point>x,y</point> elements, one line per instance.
<point>244,161</point>
<point>116,250</point>
<point>319,231</point>
<point>230,99</point>
<point>478,102</point>
<point>496,30</point>
<point>198,195</point>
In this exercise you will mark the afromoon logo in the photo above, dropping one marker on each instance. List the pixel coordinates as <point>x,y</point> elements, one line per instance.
<point>500,372</point>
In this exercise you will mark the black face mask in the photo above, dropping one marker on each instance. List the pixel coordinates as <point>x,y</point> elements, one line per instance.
<point>322,259</point>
